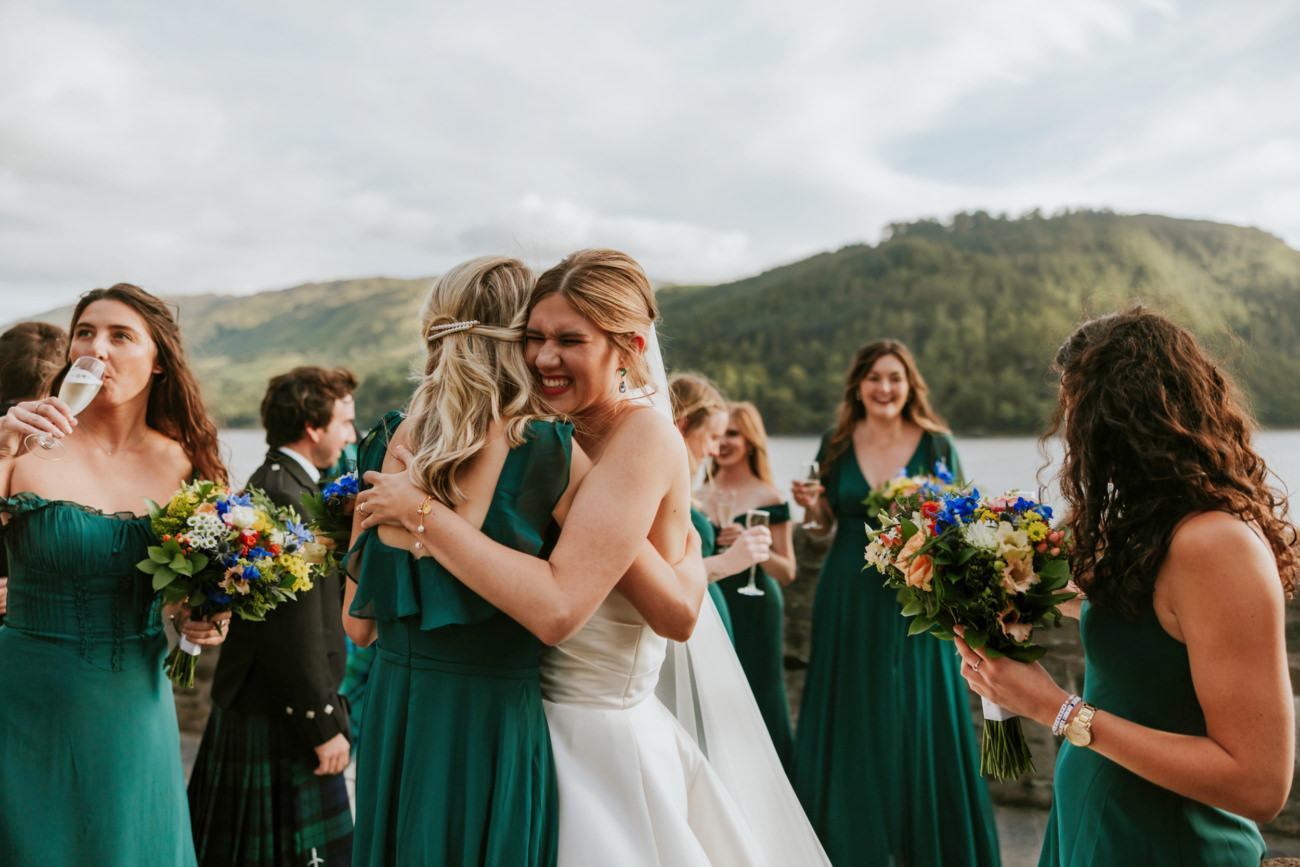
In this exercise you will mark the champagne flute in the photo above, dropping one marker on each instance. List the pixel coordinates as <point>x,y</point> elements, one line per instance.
<point>753,518</point>
<point>812,476</point>
<point>79,388</point>
<point>726,505</point>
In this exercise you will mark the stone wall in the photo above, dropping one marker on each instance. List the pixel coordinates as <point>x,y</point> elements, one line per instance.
<point>1064,660</point>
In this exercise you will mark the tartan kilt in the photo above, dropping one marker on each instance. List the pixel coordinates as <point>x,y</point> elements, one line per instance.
<point>255,800</point>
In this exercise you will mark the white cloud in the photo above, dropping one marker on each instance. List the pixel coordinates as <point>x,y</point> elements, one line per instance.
<point>246,146</point>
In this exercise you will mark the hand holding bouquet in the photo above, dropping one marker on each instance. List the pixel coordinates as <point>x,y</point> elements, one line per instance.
<point>220,552</point>
<point>331,519</point>
<point>993,566</point>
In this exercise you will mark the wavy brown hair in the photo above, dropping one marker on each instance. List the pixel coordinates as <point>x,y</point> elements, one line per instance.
<point>1154,431</point>
<point>917,409</point>
<point>175,407</point>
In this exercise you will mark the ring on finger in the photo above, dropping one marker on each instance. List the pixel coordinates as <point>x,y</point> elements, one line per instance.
<point>975,666</point>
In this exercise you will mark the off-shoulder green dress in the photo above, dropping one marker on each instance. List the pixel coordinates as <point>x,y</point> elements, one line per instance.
<point>89,749</point>
<point>759,626</point>
<point>886,763</point>
<point>1103,814</point>
<point>454,763</point>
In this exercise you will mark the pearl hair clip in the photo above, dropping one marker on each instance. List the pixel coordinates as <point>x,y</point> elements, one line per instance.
<point>450,328</point>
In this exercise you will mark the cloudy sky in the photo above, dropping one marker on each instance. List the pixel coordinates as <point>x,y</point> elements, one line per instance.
<point>252,145</point>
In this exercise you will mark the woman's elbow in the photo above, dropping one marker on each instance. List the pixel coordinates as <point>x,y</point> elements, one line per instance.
<point>362,632</point>
<point>557,625</point>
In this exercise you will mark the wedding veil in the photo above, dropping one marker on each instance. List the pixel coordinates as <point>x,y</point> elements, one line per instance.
<point>703,684</point>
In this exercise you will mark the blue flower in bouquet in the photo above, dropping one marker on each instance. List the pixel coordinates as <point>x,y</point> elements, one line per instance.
<point>343,486</point>
<point>942,473</point>
<point>258,553</point>
<point>250,573</point>
<point>300,532</point>
<point>219,597</point>
<point>963,506</point>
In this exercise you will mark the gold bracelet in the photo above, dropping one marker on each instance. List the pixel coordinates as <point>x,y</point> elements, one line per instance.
<point>425,508</point>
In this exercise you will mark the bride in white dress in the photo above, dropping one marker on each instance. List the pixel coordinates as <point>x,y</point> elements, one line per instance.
<point>634,783</point>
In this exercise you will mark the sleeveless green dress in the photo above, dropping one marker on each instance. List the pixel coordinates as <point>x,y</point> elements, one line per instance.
<point>886,763</point>
<point>88,738</point>
<point>1103,814</point>
<point>454,763</point>
<point>708,547</point>
<point>759,623</point>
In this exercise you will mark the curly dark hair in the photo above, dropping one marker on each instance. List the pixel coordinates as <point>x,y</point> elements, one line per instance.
<point>1154,431</point>
<point>303,397</point>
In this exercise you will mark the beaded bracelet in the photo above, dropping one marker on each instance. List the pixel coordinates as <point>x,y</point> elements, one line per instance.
<point>425,508</point>
<point>1063,715</point>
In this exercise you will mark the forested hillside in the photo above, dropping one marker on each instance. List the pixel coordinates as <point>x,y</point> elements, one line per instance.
<point>983,302</point>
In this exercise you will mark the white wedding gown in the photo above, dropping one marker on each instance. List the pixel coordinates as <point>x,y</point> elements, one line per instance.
<point>634,787</point>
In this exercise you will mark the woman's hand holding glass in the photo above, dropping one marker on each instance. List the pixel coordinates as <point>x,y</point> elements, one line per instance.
<point>749,548</point>
<point>33,419</point>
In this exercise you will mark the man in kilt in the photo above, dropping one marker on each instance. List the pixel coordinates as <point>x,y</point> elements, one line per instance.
<point>267,786</point>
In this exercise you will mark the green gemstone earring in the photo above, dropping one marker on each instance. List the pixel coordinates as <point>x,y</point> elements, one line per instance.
<point>622,381</point>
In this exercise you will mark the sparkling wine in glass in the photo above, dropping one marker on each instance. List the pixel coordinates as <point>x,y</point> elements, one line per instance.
<point>753,518</point>
<point>79,388</point>
<point>812,476</point>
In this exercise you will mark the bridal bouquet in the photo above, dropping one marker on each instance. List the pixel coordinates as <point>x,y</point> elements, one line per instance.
<point>882,500</point>
<point>220,552</point>
<point>331,519</point>
<point>993,566</point>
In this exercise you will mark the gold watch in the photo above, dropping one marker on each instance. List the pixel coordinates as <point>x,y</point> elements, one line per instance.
<point>1079,730</point>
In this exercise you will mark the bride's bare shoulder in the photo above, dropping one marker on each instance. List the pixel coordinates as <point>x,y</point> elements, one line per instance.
<point>648,429</point>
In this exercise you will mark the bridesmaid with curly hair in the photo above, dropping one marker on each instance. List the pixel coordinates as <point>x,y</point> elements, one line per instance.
<point>1185,732</point>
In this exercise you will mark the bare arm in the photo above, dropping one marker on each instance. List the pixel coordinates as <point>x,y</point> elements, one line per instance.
<point>361,630</point>
<point>609,521</point>
<point>1237,655</point>
<point>668,597</point>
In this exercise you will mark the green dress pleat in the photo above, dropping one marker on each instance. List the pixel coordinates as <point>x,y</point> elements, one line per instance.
<point>454,763</point>
<point>708,546</point>
<point>1103,814</point>
<point>759,625</point>
<point>886,763</point>
<point>89,746</point>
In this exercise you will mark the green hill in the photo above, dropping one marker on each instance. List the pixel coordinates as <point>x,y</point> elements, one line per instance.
<point>983,302</point>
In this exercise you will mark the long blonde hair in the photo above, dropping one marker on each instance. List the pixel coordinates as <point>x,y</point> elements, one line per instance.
<point>694,399</point>
<point>746,419</point>
<point>609,289</point>
<point>473,374</point>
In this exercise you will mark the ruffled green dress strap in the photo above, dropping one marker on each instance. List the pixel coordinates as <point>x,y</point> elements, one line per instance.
<point>392,585</point>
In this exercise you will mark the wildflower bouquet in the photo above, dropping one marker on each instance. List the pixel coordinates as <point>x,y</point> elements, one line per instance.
<point>993,566</point>
<point>220,552</point>
<point>882,500</point>
<point>331,519</point>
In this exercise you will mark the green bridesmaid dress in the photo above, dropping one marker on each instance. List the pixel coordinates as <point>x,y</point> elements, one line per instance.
<point>1103,814</point>
<point>88,740</point>
<point>759,624</point>
<point>708,547</point>
<point>885,762</point>
<point>454,763</point>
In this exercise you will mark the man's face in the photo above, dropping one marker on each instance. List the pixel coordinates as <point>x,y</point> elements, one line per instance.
<point>330,440</point>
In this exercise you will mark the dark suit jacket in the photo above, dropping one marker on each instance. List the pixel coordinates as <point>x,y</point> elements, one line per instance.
<point>291,664</point>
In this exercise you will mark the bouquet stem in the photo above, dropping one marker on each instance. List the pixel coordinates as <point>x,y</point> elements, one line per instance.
<point>181,662</point>
<point>1004,752</point>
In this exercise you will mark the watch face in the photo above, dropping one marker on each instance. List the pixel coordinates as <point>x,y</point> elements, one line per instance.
<point>1078,735</point>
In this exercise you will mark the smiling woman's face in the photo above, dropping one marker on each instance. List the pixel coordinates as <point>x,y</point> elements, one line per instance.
<point>884,390</point>
<point>576,363</point>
